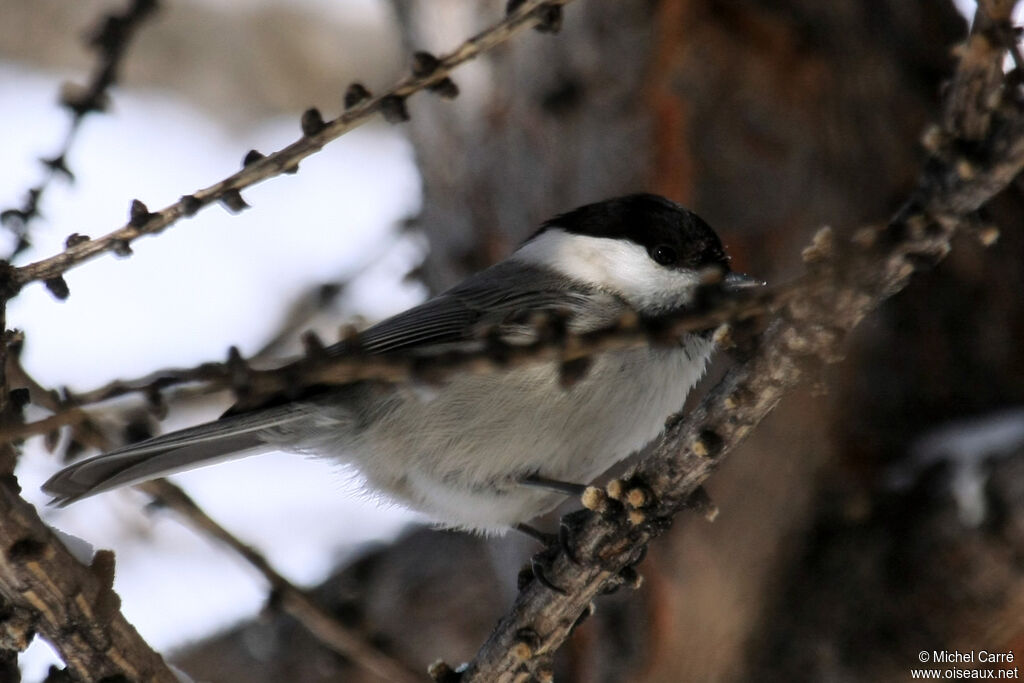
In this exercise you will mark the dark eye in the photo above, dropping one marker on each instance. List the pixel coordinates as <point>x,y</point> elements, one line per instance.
<point>665,255</point>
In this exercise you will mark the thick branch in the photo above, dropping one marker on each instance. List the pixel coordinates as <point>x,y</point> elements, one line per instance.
<point>76,609</point>
<point>862,270</point>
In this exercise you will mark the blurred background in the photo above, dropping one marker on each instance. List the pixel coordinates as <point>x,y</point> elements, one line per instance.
<point>874,515</point>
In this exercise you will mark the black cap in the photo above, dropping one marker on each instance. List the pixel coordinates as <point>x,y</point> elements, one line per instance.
<point>661,226</point>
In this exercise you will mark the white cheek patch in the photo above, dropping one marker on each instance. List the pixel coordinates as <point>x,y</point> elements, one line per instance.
<point>614,265</point>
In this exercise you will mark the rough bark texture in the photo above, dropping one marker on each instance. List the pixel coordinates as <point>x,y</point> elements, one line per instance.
<point>767,118</point>
<point>73,605</point>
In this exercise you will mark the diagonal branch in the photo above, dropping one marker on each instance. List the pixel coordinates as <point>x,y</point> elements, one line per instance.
<point>320,623</point>
<point>75,608</point>
<point>427,73</point>
<point>293,600</point>
<point>70,603</point>
<point>110,39</point>
<point>861,271</point>
<point>713,307</point>
<point>45,588</point>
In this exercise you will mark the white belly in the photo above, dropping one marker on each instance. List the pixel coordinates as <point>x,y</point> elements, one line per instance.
<point>459,455</point>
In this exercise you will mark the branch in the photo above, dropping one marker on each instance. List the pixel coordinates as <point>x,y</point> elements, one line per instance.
<point>427,73</point>
<point>73,605</point>
<point>321,624</point>
<point>17,629</point>
<point>712,307</point>
<point>860,271</point>
<point>66,405</point>
<point>110,39</point>
<point>295,602</point>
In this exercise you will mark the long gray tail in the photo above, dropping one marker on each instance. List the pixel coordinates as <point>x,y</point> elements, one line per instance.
<point>227,438</point>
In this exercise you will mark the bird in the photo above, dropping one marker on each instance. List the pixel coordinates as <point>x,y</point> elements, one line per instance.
<point>486,452</point>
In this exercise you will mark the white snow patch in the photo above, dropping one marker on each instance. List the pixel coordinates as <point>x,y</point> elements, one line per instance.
<point>967,445</point>
<point>79,548</point>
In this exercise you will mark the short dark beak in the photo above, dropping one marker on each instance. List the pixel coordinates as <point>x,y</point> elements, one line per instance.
<point>734,281</point>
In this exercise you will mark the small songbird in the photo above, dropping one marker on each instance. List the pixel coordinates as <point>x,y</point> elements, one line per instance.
<point>487,451</point>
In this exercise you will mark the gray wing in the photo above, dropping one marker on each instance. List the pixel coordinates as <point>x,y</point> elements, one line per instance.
<point>492,297</point>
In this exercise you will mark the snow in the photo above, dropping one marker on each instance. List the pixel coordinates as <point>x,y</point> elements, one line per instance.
<point>967,445</point>
<point>79,548</point>
<point>183,298</point>
<point>968,8</point>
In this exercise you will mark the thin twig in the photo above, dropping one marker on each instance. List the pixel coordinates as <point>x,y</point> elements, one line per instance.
<point>73,605</point>
<point>391,104</point>
<point>419,366</point>
<point>295,601</point>
<point>63,418</point>
<point>322,625</point>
